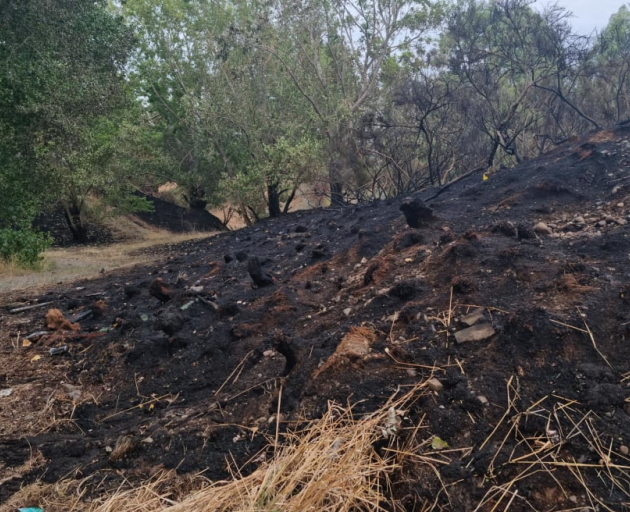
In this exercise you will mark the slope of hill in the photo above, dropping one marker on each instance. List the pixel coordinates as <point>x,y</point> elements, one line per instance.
<point>510,306</point>
<point>165,215</point>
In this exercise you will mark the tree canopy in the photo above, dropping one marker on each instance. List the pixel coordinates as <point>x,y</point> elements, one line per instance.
<point>255,103</point>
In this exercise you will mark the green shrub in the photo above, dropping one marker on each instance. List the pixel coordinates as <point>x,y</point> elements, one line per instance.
<point>24,246</point>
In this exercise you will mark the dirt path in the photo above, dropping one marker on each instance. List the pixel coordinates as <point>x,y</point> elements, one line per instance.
<point>64,265</point>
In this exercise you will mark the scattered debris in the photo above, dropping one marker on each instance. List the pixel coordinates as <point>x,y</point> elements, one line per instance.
<point>473,317</point>
<point>542,229</point>
<point>55,321</point>
<point>58,350</point>
<point>160,291</point>
<point>28,308</point>
<point>477,332</point>
<point>72,391</point>
<point>435,385</point>
<point>438,444</point>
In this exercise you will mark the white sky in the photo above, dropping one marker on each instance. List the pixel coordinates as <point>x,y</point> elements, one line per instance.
<point>588,14</point>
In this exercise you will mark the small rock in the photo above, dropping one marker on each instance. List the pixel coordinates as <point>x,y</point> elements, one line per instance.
<point>616,189</point>
<point>601,223</point>
<point>347,311</point>
<point>624,450</point>
<point>620,205</point>
<point>622,222</point>
<point>268,353</point>
<point>412,372</point>
<point>473,317</point>
<point>579,220</point>
<point>73,392</point>
<point>5,392</point>
<point>435,385</point>
<point>542,229</point>
<point>478,332</point>
<point>483,400</point>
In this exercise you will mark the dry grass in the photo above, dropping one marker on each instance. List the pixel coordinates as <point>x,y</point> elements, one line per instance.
<point>330,465</point>
<point>62,265</point>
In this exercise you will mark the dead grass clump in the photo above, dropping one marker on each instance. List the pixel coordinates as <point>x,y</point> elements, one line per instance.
<point>569,283</point>
<point>56,321</point>
<point>353,346</point>
<point>330,466</point>
<point>597,481</point>
<point>163,490</point>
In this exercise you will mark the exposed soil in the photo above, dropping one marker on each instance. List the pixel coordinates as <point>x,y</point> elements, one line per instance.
<point>179,365</point>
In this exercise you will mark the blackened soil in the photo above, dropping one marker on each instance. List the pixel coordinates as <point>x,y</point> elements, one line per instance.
<point>165,215</point>
<point>188,369</point>
<point>177,219</point>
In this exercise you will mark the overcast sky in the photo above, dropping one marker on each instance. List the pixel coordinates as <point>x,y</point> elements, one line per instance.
<point>588,14</point>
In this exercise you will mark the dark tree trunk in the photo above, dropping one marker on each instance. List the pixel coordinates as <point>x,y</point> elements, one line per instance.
<point>336,186</point>
<point>290,199</point>
<point>196,198</point>
<point>273,200</point>
<point>75,221</point>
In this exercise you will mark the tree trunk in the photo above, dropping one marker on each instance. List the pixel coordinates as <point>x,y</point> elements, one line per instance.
<point>74,218</point>
<point>273,200</point>
<point>336,185</point>
<point>196,198</point>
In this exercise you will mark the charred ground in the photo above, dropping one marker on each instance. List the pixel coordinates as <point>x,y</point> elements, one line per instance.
<point>180,365</point>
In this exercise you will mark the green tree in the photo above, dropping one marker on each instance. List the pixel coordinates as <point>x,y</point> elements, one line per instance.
<point>62,66</point>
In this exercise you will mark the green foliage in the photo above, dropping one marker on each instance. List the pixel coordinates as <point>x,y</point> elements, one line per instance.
<point>61,91</point>
<point>22,245</point>
<point>281,168</point>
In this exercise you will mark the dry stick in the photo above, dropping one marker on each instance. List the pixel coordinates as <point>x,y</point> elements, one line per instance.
<point>590,333</point>
<point>567,325</point>
<point>275,442</point>
<point>26,308</point>
<point>414,365</point>
<point>138,406</point>
<point>250,388</point>
<point>578,476</point>
<point>451,183</point>
<point>489,308</point>
<point>505,414</point>
<point>233,372</point>
<point>450,312</point>
<point>514,494</point>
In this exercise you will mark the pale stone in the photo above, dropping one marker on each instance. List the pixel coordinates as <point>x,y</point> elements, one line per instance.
<point>478,332</point>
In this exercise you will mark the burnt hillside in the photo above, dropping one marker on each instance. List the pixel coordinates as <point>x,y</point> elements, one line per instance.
<point>513,297</point>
